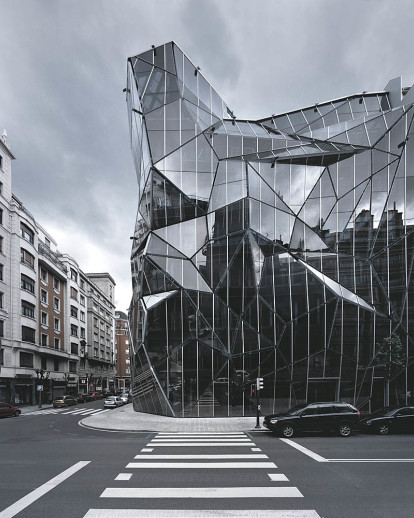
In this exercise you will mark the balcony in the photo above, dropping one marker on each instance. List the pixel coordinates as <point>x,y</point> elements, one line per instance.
<point>51,256</point>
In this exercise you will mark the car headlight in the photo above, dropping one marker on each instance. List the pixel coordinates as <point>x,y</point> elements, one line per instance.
<point>369,423</point>
<point>273,421</point>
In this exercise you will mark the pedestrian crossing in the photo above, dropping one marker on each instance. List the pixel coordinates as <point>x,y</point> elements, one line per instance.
<point>172,451</point>
<point>64,411</point>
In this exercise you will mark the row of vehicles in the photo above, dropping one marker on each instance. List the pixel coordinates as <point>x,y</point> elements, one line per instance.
<point>67,400</point>
<point>340,418</point>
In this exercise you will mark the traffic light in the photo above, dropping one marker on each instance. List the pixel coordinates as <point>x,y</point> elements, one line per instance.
<point>253,390</point>
<point>259,383</point>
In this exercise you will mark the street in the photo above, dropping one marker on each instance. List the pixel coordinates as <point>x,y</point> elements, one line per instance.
<point>95,474</point>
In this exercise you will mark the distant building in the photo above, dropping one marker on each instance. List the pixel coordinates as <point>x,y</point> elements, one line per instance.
<point>45,304</point>
<point>279,248</point>
<point>122,351</point>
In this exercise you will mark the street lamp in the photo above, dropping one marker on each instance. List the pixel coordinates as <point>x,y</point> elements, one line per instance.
<point>41,375</point>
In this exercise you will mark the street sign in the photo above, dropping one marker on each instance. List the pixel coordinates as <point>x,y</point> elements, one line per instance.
<point>40,388</point>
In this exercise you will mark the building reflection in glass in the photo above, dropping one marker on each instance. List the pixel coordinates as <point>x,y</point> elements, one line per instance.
<point>279,248</point>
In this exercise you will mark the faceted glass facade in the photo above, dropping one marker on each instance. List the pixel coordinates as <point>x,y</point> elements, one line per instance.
<point>279,248</point>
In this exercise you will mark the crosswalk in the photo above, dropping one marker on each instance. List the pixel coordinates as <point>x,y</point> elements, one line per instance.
<point>65,411</point>
<point>214,451</point>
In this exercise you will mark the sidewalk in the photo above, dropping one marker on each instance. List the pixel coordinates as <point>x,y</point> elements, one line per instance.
<point>126,420</point>
<point>32,408</point>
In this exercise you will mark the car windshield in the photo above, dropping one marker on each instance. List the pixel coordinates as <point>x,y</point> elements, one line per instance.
<point>110,398</point>
<point>384,411</point>
<point>295,409</point>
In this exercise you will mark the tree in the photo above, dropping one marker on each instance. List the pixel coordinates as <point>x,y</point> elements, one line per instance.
<point>391,356</point>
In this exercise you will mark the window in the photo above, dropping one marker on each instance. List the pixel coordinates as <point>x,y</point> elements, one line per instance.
<point>57,324</point>
<point>43,274</point>
<point>57,345</point>
<point>43,363</point>
<point>26,233</point>
<point>1,216</point>
<point>56,303</point>
<point>73,293</point>
<point>82,316</point>
<point>95,353</point>
<point>1,299</point>
<point>82,332</point>
<point>127,371</point>
<point>28,334</point>
<point>56,284</point>
<point>1,357</point>
<point>74,348</point>
<point>74,311</point>
<point>1,328</point>
<point>126,351</point>
<point>26,257</point>
<point>1,161</point>
<point>1,183</point>
<point>95,321</point>
<point>44,340</point>
<point>73,275</point>
<point>74,330</point>
<point>43,296</point>
<point>27,309</point>
<point>44,319</point>
<point>95,306</point>
<point>82,300</point>
<point>127,361</point>
<point>73,366</point>
<point>26,359</point>
<point>47,242</point>
<point>82,283</point>
<point>1,244</point>
<point>26,283</point>
<point>95,337</point>
<point>55,364</point>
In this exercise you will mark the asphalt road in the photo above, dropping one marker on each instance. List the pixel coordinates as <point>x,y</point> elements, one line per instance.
<point>327,476</point>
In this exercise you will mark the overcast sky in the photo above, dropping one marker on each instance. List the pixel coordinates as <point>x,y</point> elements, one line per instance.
<point>63,68</point>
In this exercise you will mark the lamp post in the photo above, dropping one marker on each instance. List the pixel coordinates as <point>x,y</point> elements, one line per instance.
<point>41,375</point>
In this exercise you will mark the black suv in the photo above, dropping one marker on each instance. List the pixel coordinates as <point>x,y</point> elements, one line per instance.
<point>314,417</point>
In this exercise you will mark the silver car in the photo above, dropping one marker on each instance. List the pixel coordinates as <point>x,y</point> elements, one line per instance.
<point>113,402</point>
<point>126,398</point>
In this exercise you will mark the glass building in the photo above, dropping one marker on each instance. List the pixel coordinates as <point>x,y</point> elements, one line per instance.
<point>280,248</point>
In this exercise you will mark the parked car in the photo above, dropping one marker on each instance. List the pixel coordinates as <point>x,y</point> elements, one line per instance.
<point>97,395</point>
<point>8,410</point>
<point>315,417</point>
<point>126,398</point>
<point>88,397</point>
<point>387,420</point>
<point>63,401</point>
<point>113,402</point>
<point>80,398</point>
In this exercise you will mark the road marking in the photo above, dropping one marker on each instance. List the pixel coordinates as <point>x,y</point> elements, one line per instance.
<point>201,492</point>
<point>256,449</point>
<point>278,477</point>
<point>200,444</point>
<point>304,450</point>
<point>199,433</point>
<point>147,449</point>
<point>370,460</point>
<point>92,411</point>
<point>124,476</point>
<point>192,436</point>
<point>245,439</point>
<point>24,502</point>
<point>205,513</point>
<point>206,456</point>
<point>201,465</point>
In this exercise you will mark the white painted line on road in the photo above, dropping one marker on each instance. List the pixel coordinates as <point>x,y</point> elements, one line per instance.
<point>204,513</point>
<point>204,436</point>
<point>278,477</point>
<point>256,449</point>
<point>201,492</point>
<point>206,456</point>
<point>201,465</point>
<point>370,460</point>
<point>304,450</point>
<point>199,433</point>
<point>124,476</point>
<point>178,444</point>
<point>246,439</point>
<point>24,502</point>
<point>72,411</point>
<point>147,449</point>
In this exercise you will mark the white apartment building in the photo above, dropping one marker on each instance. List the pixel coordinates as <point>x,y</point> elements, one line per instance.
<point>45,302</point>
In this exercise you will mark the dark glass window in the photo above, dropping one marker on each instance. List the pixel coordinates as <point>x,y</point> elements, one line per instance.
<point>26,233</point>
<point>28,334</point>
<point>26,283</point>
<point>26,359</point>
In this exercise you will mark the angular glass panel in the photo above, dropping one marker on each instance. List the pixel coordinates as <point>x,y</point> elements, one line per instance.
<point>152,300</point>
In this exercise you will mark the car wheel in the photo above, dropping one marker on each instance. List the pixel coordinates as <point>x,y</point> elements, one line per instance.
<point>344,430</point>
<point>288,431</point>
<point>383,429</point>
<point>16,413</point>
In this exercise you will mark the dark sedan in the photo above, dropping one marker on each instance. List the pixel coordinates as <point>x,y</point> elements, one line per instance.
<point>386,420</point>
<point>333,416</point>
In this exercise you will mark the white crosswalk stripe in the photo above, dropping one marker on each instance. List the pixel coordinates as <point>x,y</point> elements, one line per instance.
<point>64,411</point>
<point>202,461</point>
